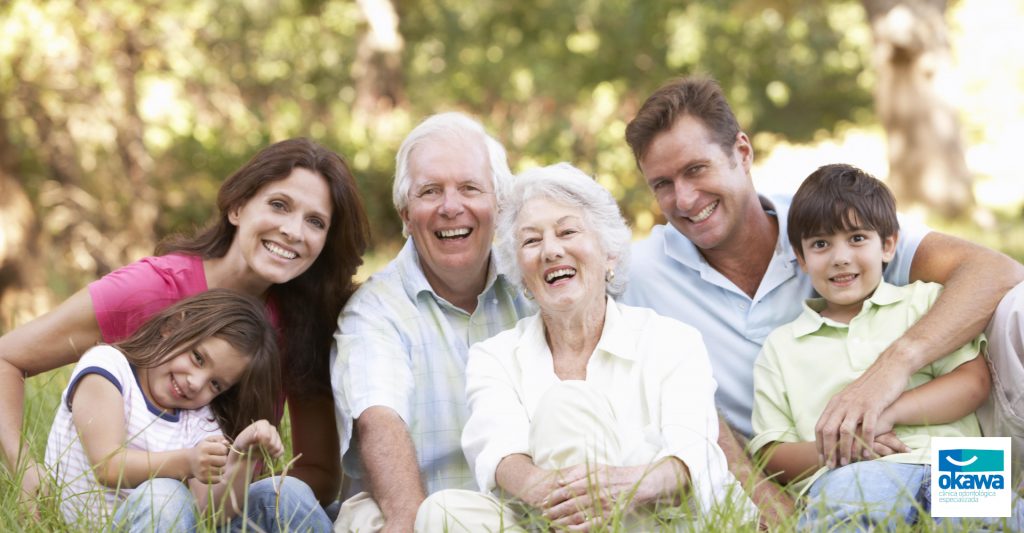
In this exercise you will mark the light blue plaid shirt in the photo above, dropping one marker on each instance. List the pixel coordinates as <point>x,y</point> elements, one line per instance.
<point>400,345</point>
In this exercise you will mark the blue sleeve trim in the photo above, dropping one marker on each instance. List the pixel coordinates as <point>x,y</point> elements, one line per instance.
<point>86,371</point>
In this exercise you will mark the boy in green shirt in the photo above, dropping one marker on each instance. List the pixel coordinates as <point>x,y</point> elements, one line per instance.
<point>843,227</point>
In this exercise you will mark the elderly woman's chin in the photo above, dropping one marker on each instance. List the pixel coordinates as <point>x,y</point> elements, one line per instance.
<point>569,296</point>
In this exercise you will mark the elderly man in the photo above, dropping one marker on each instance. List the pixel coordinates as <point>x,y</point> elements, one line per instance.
<point>398,369</point>
<point>723,264</point>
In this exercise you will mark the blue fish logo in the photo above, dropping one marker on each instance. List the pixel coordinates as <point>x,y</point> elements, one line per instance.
<point>968,460</point>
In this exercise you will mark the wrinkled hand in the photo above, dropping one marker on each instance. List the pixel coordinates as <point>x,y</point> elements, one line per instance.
<point>585,494</point>
<point>207,459</point>
<point>850,420</point>
<point>260,434</point>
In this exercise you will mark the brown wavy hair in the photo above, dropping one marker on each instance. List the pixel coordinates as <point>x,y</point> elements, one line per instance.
<point>697,96</point>
<point>238,319</point>
<point>310,303</point>
<point>833,197</point>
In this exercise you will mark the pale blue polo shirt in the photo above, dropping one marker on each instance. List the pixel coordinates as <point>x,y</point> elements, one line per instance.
<point>668,274</point>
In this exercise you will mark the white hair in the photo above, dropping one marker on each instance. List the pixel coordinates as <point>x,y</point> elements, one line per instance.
<point>566,185</point>
<point>447,125</point>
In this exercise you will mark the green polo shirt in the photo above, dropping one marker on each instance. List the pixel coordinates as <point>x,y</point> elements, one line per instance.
<point>806,362</point>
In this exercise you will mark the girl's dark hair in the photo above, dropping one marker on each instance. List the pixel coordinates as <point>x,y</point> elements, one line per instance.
<point>833,197</point>
<point>309,304</point>
<point>238,319</point>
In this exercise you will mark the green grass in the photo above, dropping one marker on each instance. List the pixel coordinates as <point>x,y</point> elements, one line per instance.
<point>43,395</point>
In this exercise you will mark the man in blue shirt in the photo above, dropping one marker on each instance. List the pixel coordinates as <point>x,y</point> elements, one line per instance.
<point>723,264</point>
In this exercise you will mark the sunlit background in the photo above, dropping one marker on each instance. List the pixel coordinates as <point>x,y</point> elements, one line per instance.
<point>119,119</point>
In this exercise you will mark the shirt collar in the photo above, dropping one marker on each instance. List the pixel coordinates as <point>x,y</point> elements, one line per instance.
<point>810,320</point>
<point>415,281</point>
<point>615,336</point>
<point>678,247</point>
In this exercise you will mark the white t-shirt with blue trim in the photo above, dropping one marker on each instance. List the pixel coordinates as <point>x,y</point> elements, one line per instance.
<point>147,428</point>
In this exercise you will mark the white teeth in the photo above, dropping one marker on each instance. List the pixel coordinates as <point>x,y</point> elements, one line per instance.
<point>177,389</point>
<point>704,213</point>
<point>842,278</point>
<point>278,251</point>
<point>449,233</point>
<point>558,273</point>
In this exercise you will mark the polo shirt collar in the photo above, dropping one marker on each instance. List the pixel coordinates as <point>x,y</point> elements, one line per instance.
<point>810,320</point>
<point>615,340</point>
<point>678,247</point>
<point>415,281</point>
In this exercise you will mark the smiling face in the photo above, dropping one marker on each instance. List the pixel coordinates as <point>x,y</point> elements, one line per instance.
<point>560,256</point>
<point>451,208</point>
<point>703,191</point>
<point>193,378</point>
<point>845,268</point>
<point>282,228</point>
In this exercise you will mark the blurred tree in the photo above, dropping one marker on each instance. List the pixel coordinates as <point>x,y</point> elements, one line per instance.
<point>120,118</point>
<point>912,60</point>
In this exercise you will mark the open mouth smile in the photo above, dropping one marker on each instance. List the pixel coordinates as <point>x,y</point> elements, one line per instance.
<point>279,251</point>
<point>557,274</point>
<point>455,233</point>
<point>177,390</point>
<point>843,279</point>
<point>704,213</point>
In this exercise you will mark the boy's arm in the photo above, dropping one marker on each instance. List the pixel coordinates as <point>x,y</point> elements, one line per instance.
<point>945,399</point>
<point>98,415</point>
<point>791,461</point>
<point>975,279</point>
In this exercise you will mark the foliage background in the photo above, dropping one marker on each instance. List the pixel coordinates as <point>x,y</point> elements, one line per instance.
<point>120,118</point>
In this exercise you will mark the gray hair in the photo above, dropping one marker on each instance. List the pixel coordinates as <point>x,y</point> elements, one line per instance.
<point>567,185</point>
<point>447,125</point>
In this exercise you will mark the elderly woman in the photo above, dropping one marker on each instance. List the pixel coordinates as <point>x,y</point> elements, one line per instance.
<point>589,413</point>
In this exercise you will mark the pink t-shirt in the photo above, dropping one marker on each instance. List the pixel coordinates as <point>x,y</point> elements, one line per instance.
<point>124,299</point>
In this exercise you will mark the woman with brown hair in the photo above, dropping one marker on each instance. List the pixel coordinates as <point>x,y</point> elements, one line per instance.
<point>291,231</point>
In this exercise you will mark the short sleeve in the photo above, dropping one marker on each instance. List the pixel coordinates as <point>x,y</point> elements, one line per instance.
<point>126,297</point>
<point>912,232</point>
<point>370,364</point>
<point>105,361</point>
<point>773,416</point>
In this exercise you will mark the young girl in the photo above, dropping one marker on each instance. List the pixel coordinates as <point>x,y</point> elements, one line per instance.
<point>158,405</point>
<point>290,230</point>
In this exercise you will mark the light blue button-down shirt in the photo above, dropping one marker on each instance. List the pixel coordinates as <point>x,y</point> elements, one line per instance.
<point>668,274</point>
<point>400,345</point>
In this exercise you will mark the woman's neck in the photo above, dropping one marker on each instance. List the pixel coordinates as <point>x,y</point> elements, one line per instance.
<point>223,273</point>
<point>573,337</point>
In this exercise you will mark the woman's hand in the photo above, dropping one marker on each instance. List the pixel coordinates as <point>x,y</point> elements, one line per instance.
<point>260,434</point>
<point>587,494</point>
<point>207,459</point>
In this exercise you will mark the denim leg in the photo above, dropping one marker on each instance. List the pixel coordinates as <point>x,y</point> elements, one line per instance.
<point>297,509</point>
<point>865,495</point>
<point>161,505</point>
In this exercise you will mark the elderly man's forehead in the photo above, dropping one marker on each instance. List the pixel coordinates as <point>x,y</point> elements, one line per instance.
<point>453,139</point>
<point>451,153</point>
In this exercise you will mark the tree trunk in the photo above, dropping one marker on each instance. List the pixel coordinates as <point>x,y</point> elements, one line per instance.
<point>378,64</point>
<point>912,59</point>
